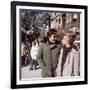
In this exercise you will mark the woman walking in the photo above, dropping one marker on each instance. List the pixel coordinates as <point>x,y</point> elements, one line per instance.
<point>34,51</point>
<point>69,60</point>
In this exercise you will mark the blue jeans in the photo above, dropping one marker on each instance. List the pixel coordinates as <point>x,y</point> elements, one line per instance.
<point>33,64</point>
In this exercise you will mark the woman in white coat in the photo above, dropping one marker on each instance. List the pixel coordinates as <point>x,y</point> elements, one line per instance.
<point>69,60</point>
<point>34,51</point>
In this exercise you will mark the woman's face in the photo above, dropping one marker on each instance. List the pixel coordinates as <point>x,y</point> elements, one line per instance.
<point>66,40</point>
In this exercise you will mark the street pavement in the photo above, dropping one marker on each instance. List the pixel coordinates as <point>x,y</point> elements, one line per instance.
<point>27,73</point>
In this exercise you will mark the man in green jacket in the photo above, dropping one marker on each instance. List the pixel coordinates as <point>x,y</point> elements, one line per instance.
<point>48,55</point>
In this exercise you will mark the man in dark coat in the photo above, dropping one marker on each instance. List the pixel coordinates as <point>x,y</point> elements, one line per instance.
<point>48,55</point>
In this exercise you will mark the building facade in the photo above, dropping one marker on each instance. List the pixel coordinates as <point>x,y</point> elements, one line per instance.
<point>61,21</point>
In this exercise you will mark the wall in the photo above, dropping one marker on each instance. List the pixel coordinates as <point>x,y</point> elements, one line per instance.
<point>5,44</point>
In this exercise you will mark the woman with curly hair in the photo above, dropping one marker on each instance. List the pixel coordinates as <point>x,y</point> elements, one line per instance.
<point>69,59</point>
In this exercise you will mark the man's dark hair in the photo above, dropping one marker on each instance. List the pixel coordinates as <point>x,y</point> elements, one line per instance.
<point>51,32</point>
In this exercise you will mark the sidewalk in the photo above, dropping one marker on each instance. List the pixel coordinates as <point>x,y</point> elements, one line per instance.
<point>27,73</point>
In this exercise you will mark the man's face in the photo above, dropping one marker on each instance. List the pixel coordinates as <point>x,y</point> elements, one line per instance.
<point>53,38</point>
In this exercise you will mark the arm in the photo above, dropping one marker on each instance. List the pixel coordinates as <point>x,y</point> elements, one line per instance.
<point>39,57</point>
<point>58,70</point>
<point>76,64</point>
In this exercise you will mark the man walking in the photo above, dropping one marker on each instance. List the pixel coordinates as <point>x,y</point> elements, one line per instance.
<point>48,55</point>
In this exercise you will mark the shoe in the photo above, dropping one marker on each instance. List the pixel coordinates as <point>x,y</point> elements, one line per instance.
<point>31,69</point>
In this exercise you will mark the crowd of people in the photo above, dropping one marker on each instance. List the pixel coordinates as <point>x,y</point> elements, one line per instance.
<point>54,57</point>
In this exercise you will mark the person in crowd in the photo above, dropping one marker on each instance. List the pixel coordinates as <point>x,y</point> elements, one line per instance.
<point>48,55</point>
<point>34,50</point>
<point>69,59</point>
<point>22,52</point>
<point>22,48</point>
<point>25,53</point>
